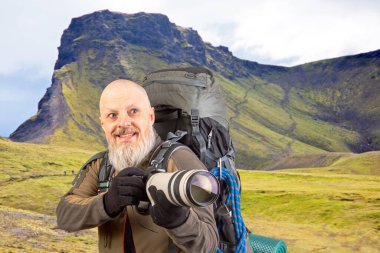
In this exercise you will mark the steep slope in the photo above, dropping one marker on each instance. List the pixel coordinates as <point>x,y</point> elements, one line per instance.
<point>275,111</point>
<point>345,91</point>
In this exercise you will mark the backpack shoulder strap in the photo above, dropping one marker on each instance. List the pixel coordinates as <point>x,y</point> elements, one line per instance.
<point>105,172</point>
<point>195,132</point>
<point>160,159</point>
<point>89,161</point>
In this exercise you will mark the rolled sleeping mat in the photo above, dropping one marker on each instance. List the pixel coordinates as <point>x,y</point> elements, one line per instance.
<point>262,244</point>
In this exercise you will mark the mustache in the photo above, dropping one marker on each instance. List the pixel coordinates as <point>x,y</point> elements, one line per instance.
<point>129,130</point>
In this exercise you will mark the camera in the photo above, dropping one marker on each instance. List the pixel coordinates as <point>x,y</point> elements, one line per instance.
<point>186,187</point>
<point>191,188</point>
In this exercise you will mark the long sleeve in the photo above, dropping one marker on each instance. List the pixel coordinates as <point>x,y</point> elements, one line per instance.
<point>199,233</point>
<point>82,207</point>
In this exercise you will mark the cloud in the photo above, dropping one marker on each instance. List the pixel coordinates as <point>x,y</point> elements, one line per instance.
<point>284,32</point>
<point>274,31</point>
<point>295,32</point>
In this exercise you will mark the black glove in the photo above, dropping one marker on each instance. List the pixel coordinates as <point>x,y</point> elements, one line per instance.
<point>127,188</point>
<point>164,213</point>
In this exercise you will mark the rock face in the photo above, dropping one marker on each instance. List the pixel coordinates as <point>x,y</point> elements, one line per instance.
<point>52,110</point>
<point>330,105</point>
<point>111,36</point>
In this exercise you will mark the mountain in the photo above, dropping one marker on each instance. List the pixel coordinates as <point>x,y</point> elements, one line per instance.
<point>275,112</point>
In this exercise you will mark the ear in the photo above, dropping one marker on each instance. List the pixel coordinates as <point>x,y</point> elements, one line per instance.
<point>152,116</point>
<point>101,122</point>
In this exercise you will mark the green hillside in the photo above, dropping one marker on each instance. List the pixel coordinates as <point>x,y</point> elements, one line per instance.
<point>39,170</point>
<point>278,124</point>
<point>344,91</point>
<point>258,110</point>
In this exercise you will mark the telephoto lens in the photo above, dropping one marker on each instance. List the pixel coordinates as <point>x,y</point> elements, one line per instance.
<point>186,187</point>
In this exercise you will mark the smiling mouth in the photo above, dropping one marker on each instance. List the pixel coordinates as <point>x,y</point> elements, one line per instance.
<point>126,135</point>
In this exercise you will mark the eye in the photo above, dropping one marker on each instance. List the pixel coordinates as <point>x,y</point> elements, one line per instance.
<point>133,111</point>
<point>111,115</point>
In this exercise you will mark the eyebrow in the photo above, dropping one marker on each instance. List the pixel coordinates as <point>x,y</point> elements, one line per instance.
<point>106,109</point>
<point>109,109</point>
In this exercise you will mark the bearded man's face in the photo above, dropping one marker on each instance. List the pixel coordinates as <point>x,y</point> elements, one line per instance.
<point>127,120</point>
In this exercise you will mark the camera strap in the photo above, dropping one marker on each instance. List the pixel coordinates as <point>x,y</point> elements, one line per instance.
<point>171,144</point>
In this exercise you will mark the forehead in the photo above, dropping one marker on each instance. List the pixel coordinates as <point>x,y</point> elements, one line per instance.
<point>121,97</point>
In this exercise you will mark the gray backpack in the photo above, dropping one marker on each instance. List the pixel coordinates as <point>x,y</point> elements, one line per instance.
<point>190,100</point>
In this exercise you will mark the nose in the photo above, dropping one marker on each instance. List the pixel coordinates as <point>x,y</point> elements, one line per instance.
<point>125,120</point>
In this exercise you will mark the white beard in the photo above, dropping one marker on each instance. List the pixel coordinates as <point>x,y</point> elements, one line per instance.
<point>126,155</point>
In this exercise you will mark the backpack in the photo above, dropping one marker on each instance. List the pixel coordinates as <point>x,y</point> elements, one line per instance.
<point>190,100</point>
<point>190,110</point>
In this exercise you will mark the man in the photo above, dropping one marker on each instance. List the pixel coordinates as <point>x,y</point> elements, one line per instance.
<point>127,119</point>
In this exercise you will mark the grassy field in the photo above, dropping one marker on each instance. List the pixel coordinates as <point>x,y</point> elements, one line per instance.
<point>26,231</point>
<point>334,208</point>
<point>313,211</point>
<point>31,182</point>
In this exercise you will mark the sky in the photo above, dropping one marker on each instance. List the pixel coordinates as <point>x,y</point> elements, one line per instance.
<point>276,32</point>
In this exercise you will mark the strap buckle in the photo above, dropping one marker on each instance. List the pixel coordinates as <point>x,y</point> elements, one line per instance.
<point>167,144</point>
<point>156,162</point>
<point>194,117</point>
<point>103,186</point>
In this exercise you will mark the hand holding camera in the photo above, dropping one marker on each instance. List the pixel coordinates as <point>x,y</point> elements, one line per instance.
<point>127,188</point>
<point>170,194</point>
<point>164,213</point>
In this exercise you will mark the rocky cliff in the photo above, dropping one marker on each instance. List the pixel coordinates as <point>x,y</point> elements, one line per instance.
<point>330,105</point>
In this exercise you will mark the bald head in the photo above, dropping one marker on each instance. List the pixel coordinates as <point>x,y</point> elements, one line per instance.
<point>126,115</point>
<point>120,89</point>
